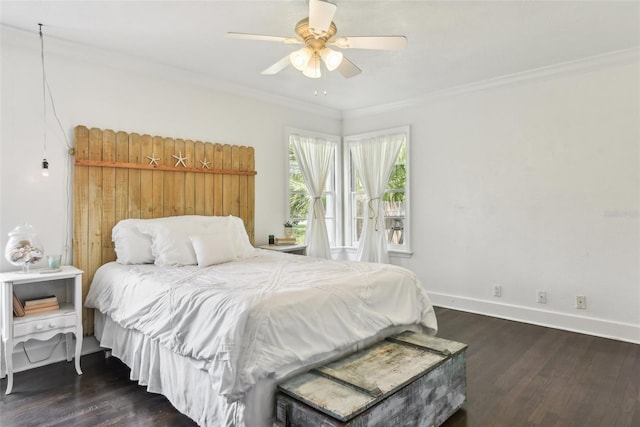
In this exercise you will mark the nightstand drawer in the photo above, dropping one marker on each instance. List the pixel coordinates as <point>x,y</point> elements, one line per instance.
<point>43,324</point>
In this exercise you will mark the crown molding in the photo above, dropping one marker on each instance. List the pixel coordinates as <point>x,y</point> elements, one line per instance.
<point>28,40</point>
<point>589,63</point>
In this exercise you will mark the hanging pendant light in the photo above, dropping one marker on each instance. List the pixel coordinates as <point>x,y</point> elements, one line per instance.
<point>45,163</point>
<point>45,167</point>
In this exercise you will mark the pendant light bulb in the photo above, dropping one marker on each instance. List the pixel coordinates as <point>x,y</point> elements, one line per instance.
<point>45,167</point>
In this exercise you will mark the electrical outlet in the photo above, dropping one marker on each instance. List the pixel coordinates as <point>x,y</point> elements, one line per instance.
<point>497,290</point>
<point>581,302</point>
<point>542,297</point>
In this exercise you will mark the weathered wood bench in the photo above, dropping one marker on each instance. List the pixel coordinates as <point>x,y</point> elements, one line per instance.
<point>409,379</point>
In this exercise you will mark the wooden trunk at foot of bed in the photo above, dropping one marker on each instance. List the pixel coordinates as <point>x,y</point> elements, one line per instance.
<point>122,175</point>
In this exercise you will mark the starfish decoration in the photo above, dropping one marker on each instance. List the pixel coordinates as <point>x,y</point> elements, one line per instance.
<point>153,160</point>
<point>180,159</point>
<point>205,163</point>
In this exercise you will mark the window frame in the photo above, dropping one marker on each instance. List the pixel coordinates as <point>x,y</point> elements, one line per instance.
<point>337,196</point>
<point>347,192</point>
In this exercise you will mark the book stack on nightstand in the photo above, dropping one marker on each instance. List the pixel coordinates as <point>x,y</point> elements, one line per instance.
<point>41,304</point>
<point>283,241</point>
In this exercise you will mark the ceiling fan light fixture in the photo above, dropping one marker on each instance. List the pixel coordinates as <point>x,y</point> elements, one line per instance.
<point>332,59</point>
<point>300,58</point>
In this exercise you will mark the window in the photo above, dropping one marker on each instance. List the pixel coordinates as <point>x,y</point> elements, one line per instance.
<point>299,198</point>
<point>395,199</point>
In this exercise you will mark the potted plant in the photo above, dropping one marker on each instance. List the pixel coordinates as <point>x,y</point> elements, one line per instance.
<point>288,228</point>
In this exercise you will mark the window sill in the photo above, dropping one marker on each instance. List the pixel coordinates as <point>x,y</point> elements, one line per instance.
<point>400,253</point>
<point>351,250</point>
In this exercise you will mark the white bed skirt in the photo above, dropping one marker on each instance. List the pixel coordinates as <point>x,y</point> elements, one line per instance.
<point>190,388</point>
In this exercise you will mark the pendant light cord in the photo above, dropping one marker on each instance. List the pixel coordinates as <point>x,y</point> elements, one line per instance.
<point>44,94</point>
<point>46,88</point>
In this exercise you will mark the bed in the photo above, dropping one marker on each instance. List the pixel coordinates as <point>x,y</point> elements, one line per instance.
<point>201,316</point>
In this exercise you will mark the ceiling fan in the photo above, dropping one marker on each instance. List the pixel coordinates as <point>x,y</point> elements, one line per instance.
<point>316,33</point>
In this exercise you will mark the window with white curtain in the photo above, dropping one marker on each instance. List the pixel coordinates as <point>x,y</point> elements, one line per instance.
<point>298,196</point>
<point>395,199</point>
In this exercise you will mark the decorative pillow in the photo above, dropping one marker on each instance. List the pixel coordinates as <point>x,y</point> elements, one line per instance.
<point>214,247</point>
<point>171,245</point>
<point>131,246</point>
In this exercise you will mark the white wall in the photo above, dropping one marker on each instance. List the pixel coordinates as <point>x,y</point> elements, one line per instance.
<point>530,185</point>
<point>99,89</point>
<point>533,185</point>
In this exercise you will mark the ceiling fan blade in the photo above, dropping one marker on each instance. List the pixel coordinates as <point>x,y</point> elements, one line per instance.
<point>320,16</point>
<point>371,42</point>
<point>246,36</point>
<point>277,67</point>
<point>348,69</point>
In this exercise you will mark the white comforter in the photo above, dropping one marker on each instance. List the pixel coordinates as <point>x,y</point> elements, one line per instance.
<point>251,319</point>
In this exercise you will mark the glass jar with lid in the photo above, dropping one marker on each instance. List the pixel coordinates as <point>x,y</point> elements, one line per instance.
<point>23,248</point>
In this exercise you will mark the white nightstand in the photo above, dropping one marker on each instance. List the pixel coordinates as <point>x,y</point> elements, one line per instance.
<point>290,249</point>
<point>67,286</point>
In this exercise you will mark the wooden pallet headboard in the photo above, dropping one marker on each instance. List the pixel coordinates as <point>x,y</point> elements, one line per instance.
<point>122,175</point>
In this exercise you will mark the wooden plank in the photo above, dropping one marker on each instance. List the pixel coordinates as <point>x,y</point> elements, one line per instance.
<point>427,342</point>
<point>227,185</point>
<point>122,177</point>
<point>189,179</point>
<point>108,195</point>
<point>218,161</point>
<point>81,217</point>
<point>211,193</point>
<point>146,178</point>
<point>158,178</point>
<point>234,208</point>
<point>349,379</point>
<point>171,168</point>
<point>251,197</point>
<point>95,216</point>
<point>198,187</point>
<point>134,176</point>
<point>169,200</point>
<point>179,177</point>
<point>243,202</point>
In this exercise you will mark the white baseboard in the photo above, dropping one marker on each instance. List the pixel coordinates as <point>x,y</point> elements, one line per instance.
<point>37,351</point>
<point>552,319</point>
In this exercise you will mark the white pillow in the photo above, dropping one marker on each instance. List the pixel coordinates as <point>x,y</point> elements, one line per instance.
<point>240,238</point>
<point>171,245</point>
<point>131,246</point>
<point>166,241</point>
<point>214,248</point>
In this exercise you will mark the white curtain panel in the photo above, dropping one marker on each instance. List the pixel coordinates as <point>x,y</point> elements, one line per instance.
<point>374,159</point>
<point>315,156</point>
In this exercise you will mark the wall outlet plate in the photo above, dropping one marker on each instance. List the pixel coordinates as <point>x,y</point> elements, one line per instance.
<point>581,302</point>
<point>497,290</point>
<point>542,297</point>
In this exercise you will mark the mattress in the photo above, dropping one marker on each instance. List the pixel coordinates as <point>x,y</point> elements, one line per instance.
<point>216,340</point>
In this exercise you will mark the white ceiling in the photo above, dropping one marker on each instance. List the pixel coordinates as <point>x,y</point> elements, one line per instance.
<point>451,43</point>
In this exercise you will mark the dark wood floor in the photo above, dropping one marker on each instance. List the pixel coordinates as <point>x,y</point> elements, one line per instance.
<point>517,375</point>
